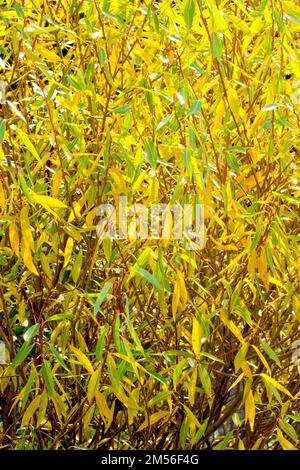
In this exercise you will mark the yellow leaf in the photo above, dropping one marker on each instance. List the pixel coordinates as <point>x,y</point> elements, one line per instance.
<point>83,360</point>
<point>2,196</point>
<point>196,336</point>
<point>77,266</point>
<point>234,101</point>
<point>48,54</point>
<point>56,182</point>
<point>68,251</point>
<point>27,241</point>
<point>271,381</point>
<point>218,116</point>
<point>31,409</point>
<point>182,288</point>
<point>192,386</point>
<point>59,405</point>
<point>42,408</point>
<point>285,444</point>
<point>46,268</point>
<point>90,217</point>
<point>262,267</point>
<point>154,418</point>
<point>28,144</point>
<point>233,328</point>
<point>105,411</point>
<point>47,202</point>
<point>251,265</point>
<point>219,23</point>
<point>14,238</point>
<point>250,409</point>
<point>93,385</point>
<point>262,358</point>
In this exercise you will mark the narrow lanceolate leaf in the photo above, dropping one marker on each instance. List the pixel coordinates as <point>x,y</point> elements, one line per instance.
<point>61,316</point>
<point>189,12</point>
<point>49,203</point>
<point>68,251</point>
<point>102,296</point>
<point>195,108</point>
<point>48,377</point>
<point>250,409</point>
<point>42,409</point>
<point>31,410</point>
<point>2,129</point>
<point>27,246</point>
<point>59,358</point>
<point>22,353</point>
<point>276,384</point>
<point>196,336</point>
<point>31,332</point>
<point>122,109</point>
<point>84,361</point>
<point>151,152</point>
<point>149,224</point>
<point>148,277</point>
<point>14,238</point>
<point>154,418</point>
<point>164,121</point>
<point>272,355</point>
<point>205,380</point>
<point>285,444</point>
<point>28,144</point>
<point>93,385</point>
<point>106,413</point>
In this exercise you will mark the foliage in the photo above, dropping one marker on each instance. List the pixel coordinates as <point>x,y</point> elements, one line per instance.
<point>138,344</point>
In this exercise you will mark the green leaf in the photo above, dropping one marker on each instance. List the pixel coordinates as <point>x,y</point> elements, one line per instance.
<point>19,11</point>
<point>269,351</point>
<point>205,380</point>
<point>189,12</point>
<point>269,380</point>
<point>224,443</point>
<point>2,129</point>
<point>195,108</point>
<point>24,186</point>
<point>288,429</point>
<point>271,107</point>
<point>122,109</point>
<point>157,376</point>
<point>164,121</point>
<point>22,353</point>
<point>93,385</point>
<point>217,46</point>
<point>101,55</point>
<point>47,374</point>
<point>59,358</point>
<point>101,342</point>
<point>151,152</point>
<point>28,144</point>
<point>101,297</point>
<point>61,316</point>
<point>233,162</point>
<point>31,332</point>
<point>148,277</point>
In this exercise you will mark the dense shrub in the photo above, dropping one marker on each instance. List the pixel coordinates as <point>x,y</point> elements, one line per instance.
<point>138,344</point>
